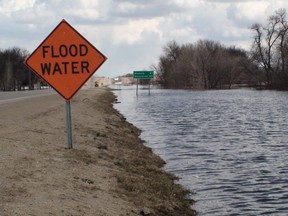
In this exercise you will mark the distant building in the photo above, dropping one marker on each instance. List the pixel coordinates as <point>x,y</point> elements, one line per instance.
<point>89,83</point>
<point>127,80</point>
<point>103,81</point>
<point>98,82</point>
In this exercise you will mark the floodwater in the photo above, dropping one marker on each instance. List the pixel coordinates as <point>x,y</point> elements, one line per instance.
<point>229,147</point>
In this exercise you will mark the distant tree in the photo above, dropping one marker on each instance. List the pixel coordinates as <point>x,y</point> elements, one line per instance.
<point>8,83</point>
<point>2,81</point>
<point>129,75</point>
<point>204,65</point>
<point>205,50</point>
<point>269,50</point>
<point>185,68</point>
<point>236,64</point>
<point>166,70</point>
<point>13,73</point>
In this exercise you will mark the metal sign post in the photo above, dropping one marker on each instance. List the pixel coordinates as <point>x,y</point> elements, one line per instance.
<point>137,87</point>
<point>68,125</point>
<point>149,86</point>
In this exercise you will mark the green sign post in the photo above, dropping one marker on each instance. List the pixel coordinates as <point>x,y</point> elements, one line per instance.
<point>143,75</point>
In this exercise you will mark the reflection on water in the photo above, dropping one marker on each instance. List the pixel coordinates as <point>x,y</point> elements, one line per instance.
<point>229,147</point>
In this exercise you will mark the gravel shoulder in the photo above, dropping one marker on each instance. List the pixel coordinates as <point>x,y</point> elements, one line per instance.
<point>109,171</point>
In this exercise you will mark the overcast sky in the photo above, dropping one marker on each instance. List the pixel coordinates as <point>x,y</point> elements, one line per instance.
<point>132,33</point>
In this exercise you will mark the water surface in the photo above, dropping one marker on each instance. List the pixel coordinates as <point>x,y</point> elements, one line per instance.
<point>229,147</point>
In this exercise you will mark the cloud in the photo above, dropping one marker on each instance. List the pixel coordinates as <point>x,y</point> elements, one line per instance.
<point>7,7</point>
<point>233,1</point>
<point>244,14</point>
<point>132,32</point>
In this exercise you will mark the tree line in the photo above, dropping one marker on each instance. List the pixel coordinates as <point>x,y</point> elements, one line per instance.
<point>14,75</point>
<point>203,65</point>
<point>208,64</point>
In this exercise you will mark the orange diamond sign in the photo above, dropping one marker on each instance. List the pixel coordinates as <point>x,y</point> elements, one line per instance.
<point>65,60</point>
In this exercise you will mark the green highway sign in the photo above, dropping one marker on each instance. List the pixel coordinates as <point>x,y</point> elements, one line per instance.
<point>143,74</point>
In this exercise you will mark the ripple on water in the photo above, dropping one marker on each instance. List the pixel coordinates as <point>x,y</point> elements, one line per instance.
<point>229,147</point>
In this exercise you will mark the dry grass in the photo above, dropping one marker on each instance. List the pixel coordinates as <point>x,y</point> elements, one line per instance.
<point>140,174</point>
<point>148,185</point>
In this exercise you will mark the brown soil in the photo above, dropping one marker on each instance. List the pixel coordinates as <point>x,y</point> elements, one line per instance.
<point>109,172</point>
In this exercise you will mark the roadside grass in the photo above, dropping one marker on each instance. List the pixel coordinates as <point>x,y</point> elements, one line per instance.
<point>140,174</point>
<point>146,183</point>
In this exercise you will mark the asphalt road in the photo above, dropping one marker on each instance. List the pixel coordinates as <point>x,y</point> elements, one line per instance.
<point>12,96</point>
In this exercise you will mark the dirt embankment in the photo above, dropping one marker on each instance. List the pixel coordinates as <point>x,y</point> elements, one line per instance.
<point>109,172</point>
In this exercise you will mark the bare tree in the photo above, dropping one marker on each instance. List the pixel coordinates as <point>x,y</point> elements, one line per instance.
<point>166,67</point>
<point>13,73</point>
<point>207,54</point>
<point>268,49</point>
<point>184,68</point>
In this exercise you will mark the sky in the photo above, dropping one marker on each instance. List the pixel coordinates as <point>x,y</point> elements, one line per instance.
<point>132,33</point>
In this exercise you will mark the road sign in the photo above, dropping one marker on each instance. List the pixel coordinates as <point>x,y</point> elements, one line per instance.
<point>143,74</point>
<point>65,60</point>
